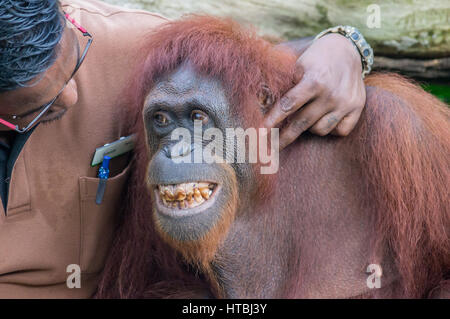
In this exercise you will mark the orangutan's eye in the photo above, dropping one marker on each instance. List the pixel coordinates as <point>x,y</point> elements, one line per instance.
<point>198,115</point>
<point>161,119</point>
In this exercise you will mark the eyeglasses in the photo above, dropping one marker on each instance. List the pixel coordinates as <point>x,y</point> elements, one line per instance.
<point>47,106</point>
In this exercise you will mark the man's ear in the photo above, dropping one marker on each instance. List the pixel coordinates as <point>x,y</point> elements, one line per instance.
<point>265,98</point>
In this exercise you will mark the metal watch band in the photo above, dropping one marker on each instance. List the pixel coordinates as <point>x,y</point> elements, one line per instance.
<point>358,40</point>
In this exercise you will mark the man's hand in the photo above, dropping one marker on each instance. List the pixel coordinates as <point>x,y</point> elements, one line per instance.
<point>329,96</point>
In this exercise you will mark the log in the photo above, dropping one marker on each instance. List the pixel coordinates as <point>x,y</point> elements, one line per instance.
<point>418,31</point>
<point>419,69</point>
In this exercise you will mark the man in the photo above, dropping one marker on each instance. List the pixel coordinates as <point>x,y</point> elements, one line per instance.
<point>59,83</point>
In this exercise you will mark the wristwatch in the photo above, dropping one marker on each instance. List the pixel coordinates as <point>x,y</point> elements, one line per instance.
<point>353,34</point>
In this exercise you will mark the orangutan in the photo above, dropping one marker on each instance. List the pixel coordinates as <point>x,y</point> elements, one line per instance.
<point>337,209</point>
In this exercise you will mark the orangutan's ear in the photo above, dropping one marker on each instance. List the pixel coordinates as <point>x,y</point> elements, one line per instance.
<point>265,98</point>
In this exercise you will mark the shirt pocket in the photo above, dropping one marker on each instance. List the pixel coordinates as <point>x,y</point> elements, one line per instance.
<point>98,221</point>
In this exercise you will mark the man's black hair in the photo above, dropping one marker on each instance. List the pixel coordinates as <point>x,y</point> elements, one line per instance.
<point>29,34</point>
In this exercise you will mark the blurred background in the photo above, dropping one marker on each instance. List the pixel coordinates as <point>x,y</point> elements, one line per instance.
<point>408,37</point>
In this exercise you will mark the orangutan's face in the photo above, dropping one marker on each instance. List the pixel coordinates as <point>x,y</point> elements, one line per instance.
<point>194,201</point>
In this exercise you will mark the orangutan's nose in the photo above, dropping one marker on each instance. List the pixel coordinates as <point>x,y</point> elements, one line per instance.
<point>178,150</point>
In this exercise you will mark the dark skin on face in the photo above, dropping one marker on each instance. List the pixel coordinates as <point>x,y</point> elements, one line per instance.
<point>26,102</point>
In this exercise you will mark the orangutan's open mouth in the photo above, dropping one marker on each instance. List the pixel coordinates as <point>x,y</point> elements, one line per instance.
<point>186,195</point>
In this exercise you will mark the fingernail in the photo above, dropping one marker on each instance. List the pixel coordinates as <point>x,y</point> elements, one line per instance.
<point>285,104</point>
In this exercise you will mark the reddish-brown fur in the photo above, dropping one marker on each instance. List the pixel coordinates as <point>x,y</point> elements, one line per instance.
<point>401,144</point>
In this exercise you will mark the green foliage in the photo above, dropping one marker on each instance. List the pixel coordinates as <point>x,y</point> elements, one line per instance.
<point>442,91</point>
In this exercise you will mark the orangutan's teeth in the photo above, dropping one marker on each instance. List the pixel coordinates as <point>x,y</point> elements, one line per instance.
<point>180,194</point>
<point>197,196</point>
<point>189,188</point>
<point>169,195</point>
<point>185,195</point>
<point>204,191</point>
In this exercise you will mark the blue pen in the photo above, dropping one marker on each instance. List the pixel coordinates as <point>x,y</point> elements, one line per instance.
<point>103,173</point>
